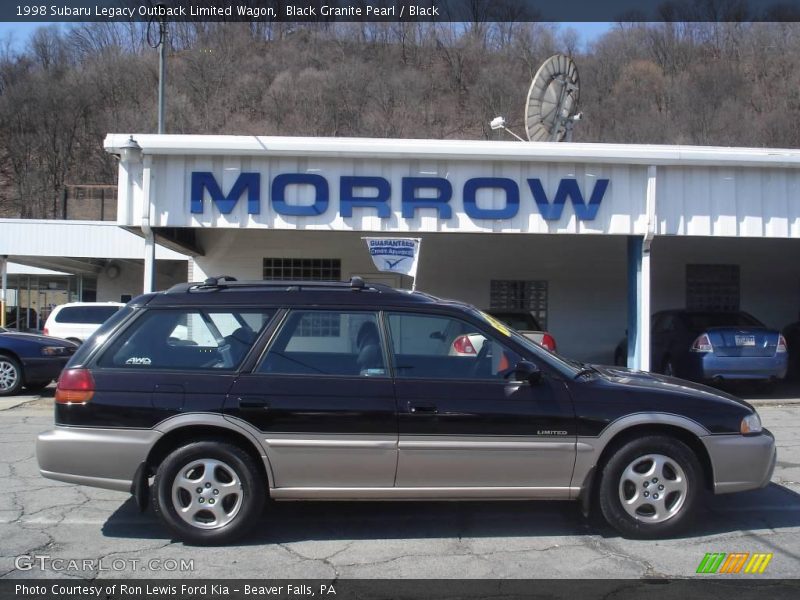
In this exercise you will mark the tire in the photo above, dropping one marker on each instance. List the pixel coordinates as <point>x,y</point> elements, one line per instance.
<point>11,375</point>
<point>629,473</point>
<point>36,386</point>
<point>234,512</point>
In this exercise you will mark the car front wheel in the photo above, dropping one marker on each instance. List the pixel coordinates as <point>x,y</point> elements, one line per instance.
<point>650,487</point>
<point>209,492</point>
<point>10,376</point>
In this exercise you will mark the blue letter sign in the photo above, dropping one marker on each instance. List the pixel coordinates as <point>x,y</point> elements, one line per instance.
<point>380,200</point>
<point>410,202</point>
<point>568,188</point>
<point>204,180</point>
<point>509,211</point>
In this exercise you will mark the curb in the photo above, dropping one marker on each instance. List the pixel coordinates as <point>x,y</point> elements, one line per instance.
<point>14,402</point>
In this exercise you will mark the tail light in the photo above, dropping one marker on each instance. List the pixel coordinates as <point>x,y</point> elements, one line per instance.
<point>462,345</point>
<point>549,342</point>
<point>702,344</point>
<point>45,331</point>
<point>781,344</point>
<point>75,386</point>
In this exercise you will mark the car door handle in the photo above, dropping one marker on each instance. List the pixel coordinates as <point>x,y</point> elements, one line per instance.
<point>422,409</point>
<point>258,402</point>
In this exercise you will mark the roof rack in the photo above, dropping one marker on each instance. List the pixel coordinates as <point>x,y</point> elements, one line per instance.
<point>356,284</point>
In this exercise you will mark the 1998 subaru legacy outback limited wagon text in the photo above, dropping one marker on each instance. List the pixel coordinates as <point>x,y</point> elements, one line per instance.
<point>225,393</point>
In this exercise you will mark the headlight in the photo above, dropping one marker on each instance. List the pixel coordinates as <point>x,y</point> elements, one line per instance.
<point>54,351</point>
<point>750,424</point>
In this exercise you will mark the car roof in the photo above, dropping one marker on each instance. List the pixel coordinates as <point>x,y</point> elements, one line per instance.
<point>228,291</point>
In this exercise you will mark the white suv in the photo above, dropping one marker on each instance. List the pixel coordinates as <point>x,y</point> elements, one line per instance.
<point>76,321</point>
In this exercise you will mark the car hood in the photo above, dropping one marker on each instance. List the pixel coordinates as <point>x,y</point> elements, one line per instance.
<point>44,340</point>
<point>647,381</point>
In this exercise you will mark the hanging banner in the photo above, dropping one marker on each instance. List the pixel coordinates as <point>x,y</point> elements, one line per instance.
<point>395,255</point>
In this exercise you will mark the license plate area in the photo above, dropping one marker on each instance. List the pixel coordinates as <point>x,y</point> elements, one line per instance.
<point>745,340</point>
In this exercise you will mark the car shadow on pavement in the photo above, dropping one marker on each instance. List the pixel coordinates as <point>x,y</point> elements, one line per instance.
<point>773,507</point>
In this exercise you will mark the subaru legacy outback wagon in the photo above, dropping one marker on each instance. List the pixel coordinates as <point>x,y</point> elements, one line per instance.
<point>209,398</point>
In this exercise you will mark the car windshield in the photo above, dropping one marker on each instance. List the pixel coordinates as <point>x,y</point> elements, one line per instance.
<point>521,321</point>
<point>698,321</point>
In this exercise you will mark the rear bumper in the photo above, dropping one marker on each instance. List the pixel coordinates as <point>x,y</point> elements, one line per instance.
<point>741,462</point>
<point>104,458</point>
<point>710,366</point>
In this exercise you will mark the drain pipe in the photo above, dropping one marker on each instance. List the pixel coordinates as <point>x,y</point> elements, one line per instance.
<point>149,284</point>
<point>644,290</point>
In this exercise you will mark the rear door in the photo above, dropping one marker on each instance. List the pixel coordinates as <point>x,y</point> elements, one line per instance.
<point>171,361</point>
<point>323,401</point>
<point>464,422</point>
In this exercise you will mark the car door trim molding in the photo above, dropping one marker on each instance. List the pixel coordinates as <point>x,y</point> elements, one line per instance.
<point>330,443</point>
<point>487,444</point>
<point>425,493</point>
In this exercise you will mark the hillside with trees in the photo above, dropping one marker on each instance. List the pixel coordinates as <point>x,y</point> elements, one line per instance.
<point>701,83</point>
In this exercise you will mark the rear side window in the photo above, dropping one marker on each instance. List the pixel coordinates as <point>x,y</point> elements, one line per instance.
<point>93,315</point>
<point>327,343</point>
<point>193,339</point>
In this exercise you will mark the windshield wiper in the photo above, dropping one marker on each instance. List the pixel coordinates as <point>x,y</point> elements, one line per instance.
<point>586,370</point>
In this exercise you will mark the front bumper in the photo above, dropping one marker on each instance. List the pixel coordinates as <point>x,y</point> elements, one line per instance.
<point>45,368</point>
<point>104,458</point>
<point>741,462</point>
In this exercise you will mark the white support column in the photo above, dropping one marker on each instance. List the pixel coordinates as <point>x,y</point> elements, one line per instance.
<point>4,296</point>
<point>643,337</point>
<point>643,318</point>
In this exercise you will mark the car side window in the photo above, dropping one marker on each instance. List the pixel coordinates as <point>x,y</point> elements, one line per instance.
<point>319,342</point>
<point>192,339</point>
<point>440,347</point>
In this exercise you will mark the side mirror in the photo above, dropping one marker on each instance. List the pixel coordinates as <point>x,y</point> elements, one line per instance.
<point>525,370</point>
<point>437,335</point>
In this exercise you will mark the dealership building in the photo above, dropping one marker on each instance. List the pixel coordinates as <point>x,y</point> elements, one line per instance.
<point>591,238</point>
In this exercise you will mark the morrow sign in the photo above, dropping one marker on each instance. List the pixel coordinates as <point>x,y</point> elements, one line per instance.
<point>376,192</point>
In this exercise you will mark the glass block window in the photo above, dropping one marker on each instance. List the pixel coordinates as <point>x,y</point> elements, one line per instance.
<point>515,294</point>
<point>712,287</point>
<point>303,269</point>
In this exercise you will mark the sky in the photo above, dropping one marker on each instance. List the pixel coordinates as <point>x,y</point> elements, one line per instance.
<point>20,32</point>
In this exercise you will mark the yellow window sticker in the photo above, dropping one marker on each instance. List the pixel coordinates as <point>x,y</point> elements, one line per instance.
<point>496,324</point>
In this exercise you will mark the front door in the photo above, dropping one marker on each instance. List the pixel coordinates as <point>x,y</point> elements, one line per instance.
<point>464,421</point>
<point>323,401</point>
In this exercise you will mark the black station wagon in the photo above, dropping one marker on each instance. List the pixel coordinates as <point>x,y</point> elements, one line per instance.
<point>210,398</point>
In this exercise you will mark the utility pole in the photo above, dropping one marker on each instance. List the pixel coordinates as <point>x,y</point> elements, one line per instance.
<point>162,69</point>
<point>160,41</point>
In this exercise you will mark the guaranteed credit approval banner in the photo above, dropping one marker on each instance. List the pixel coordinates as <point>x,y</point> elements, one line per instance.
<point>395,255</point>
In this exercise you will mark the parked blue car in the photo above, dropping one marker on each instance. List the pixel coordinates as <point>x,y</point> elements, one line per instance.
<point>714,346</point>
<point>31,361</point>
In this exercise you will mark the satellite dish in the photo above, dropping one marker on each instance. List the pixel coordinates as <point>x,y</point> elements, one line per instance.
<point>552,106</point>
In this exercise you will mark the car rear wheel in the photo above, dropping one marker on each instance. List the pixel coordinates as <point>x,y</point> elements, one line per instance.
<point>650,487</point>
<point>209,492</point>
<point>10,375</point>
